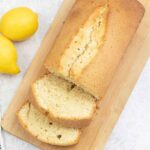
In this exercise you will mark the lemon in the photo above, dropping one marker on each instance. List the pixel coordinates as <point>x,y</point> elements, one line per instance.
<point>19,23</point>
<point>8,57</point>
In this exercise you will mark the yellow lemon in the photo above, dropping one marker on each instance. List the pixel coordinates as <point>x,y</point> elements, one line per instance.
<point>8,57</point>
<point>19,23</point>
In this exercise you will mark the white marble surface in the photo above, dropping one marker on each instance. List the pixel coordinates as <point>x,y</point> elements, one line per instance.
<point>132,131</point>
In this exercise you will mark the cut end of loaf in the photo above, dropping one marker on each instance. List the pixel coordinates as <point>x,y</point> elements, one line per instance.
<point>63,101</point>
<point>46,130</point>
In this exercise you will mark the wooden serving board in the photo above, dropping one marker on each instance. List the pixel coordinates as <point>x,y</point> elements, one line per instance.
<point>95,135</point>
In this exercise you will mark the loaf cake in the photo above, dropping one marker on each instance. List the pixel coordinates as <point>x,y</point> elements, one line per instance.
<point>45,130</point>
<point>63,101</point>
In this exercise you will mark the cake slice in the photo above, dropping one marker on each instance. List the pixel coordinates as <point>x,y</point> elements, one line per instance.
<point>63,101</point>
<point>46,130</point>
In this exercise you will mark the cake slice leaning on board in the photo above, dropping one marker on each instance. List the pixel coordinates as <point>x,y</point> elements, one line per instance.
<point>63,102</point>
<point>45,130</point>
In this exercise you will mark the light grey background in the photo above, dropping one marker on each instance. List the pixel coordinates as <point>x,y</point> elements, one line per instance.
<point>132,131</point>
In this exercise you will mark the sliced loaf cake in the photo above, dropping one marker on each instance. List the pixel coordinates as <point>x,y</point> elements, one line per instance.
<point>46,130</point>
<point>64,102</point>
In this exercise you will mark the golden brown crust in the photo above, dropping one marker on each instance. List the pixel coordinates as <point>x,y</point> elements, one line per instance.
<point>74,73</point>
<point>122,24</point>
<point>68,122</point>
<point>22,123</point>
<point>76,19</point>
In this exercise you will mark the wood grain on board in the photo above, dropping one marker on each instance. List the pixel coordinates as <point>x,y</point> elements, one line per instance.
<point>95,135</point>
